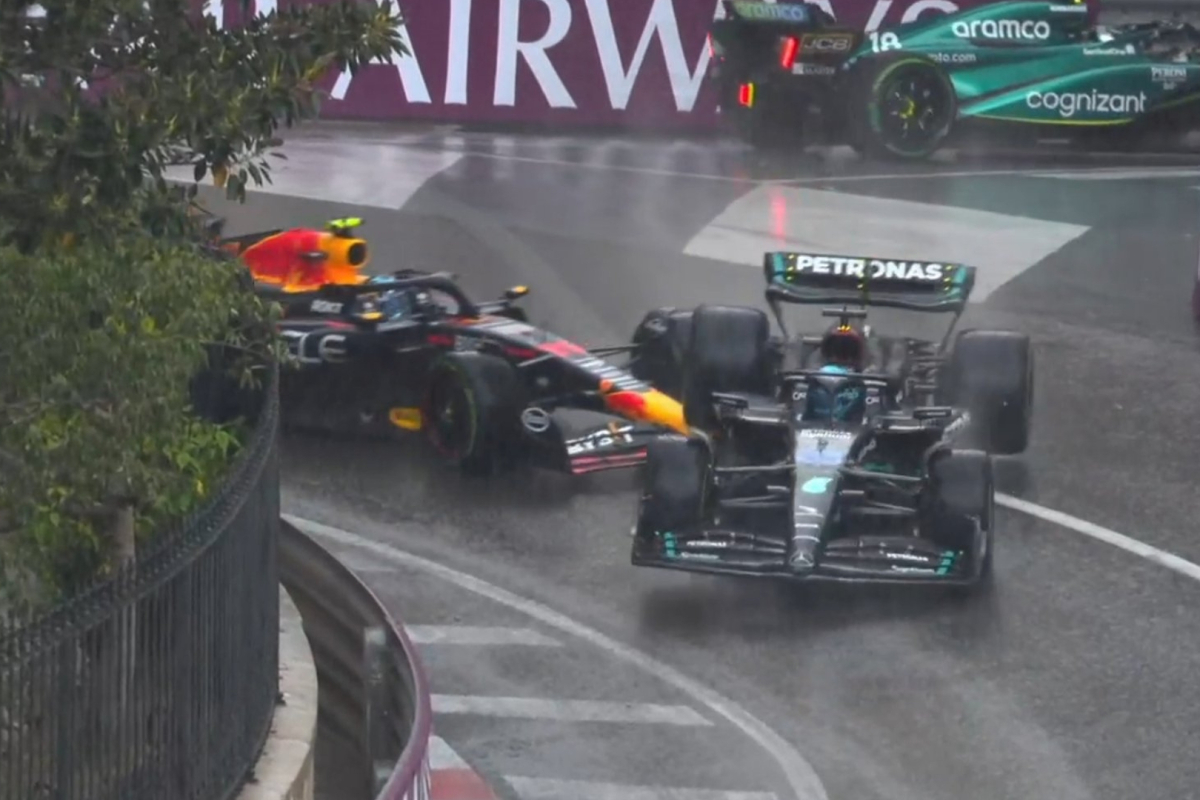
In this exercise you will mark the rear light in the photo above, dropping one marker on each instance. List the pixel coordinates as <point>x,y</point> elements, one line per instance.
<point>712,51</point>
<point>746,95</point>
<point>791,47</point>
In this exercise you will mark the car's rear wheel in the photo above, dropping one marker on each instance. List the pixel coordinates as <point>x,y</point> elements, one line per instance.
<point>907,107</point>
<point>471,411</point>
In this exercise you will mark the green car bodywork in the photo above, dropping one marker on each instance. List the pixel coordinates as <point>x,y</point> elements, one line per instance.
<point>1036,66</point>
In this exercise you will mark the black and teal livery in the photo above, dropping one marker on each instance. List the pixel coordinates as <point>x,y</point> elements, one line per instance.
<point>803,468</point>
<point>1020,69</point>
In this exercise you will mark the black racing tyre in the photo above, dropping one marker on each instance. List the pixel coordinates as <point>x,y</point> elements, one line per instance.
<point>676,476</point>
<point>471,410</point>
<point>728,351</point>
<point>906,106</point>
<point>963,500</point>
<point>662,340</point>
<point>991,376</point>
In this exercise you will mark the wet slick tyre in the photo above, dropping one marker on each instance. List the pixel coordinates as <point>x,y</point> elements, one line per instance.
<point>675,478</point>
<point>991,376</point>
<point>661,339</point>
<point>906,107</point>
<point>727,351</point>
<point>471,411</point>
<point>961,514</point>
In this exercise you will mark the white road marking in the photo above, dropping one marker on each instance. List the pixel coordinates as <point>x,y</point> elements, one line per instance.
<point>768,218</point>
<point>1130,545</point>
<point>442,755</point>
<point>1117,174</point>
<point>800,775</point>
<point>799,181</point>
<point>479,636</point>
<point>552,789</point>
<point>375,176</point>
<point>567,710</point>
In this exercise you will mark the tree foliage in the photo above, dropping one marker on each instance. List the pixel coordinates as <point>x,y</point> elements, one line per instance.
<point>112,300</point>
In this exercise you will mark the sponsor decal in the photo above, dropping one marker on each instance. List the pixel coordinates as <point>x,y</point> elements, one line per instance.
<point>613,437</point>
<point>315,347</point>
<point>826,42</point>
<point>1071,9</point>
<point>1068,103</point>
<point>816,485</point>
<point>1127,50</point>
<point>906,557</point>
<point>819,433</point>
<point>535,420</point>
<point>954,58</point>
<point>619,379</point>
<point>1168,74</point>
<point>467,344</point>
<point>773,12</point>
<point>1011,29</point>
<point>326,307</point>
<point>882,42</point>
<point>871,267</point>
<point>812,69</point>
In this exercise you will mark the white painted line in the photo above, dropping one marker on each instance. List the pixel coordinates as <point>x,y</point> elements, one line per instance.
<point>800,775</point>
<point>1158,173</point>
<point>768,218</point>
<point>1100,533</point>
<point>799,181</point>
<point>374,176</point>
<point>479,636</point>
<point>567,710</point>
<point>442,755</point>
<point>552,789</point>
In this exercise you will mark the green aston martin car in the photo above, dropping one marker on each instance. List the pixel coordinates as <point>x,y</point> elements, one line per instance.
<point>788,74</point>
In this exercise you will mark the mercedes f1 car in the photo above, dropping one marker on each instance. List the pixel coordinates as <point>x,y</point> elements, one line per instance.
<point>846,455</point>
<point>787,73</point>
<point>410,350</point>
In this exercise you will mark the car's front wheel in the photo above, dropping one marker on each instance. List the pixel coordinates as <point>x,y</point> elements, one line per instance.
<point>471,410</point>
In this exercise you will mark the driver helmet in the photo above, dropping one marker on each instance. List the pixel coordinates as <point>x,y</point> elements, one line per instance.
<point>845,405</point>
<point>843,346</point>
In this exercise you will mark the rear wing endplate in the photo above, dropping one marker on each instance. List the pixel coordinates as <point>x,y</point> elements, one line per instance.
<point>815,278</point>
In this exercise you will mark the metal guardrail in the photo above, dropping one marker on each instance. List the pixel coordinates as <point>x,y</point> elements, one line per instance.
<point>373,691</point>
<point>160,682</point>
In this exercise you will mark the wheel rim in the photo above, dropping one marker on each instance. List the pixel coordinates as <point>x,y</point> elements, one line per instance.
<point>449,410</point>
<point>913,108</point>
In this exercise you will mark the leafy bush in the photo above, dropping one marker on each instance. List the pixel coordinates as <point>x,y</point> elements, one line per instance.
<point>112,301</point>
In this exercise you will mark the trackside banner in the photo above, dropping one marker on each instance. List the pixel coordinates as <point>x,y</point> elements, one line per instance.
<point>628,63</point>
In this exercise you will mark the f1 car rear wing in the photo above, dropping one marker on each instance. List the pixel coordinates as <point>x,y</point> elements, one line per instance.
<point>782,13</point>
<point>810,278</point>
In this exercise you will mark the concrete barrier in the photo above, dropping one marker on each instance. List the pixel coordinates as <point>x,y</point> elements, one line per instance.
<point>373,694</point>
<point>284,770</point>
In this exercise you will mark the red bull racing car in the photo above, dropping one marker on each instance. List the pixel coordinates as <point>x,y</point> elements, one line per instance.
<point>411,351</point>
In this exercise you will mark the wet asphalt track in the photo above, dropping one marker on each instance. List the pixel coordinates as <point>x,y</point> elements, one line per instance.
<point>1073,679</point>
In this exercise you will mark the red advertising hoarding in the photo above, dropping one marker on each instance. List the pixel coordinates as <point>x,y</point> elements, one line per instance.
<point>630,63</point>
